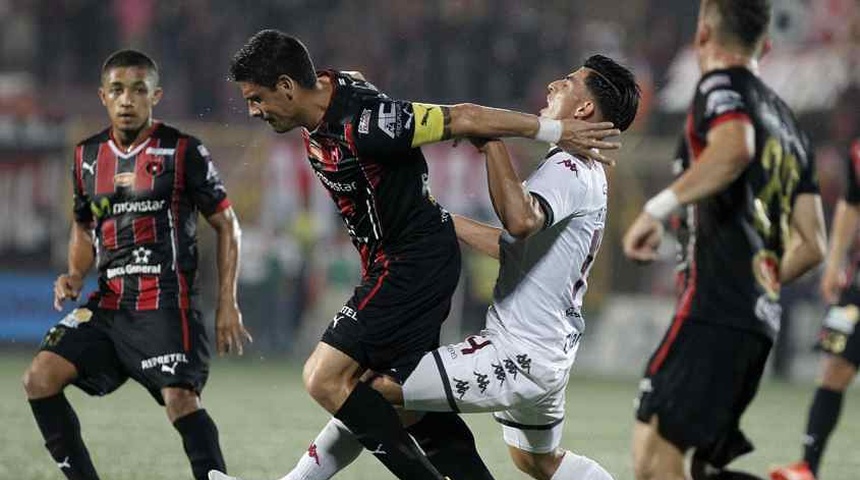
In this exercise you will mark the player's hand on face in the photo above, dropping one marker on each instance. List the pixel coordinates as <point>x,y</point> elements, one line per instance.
<point>832,283</point>
<point>229,330</point>
<point>587,139</point>
<point>66,287</point>
<point>643,239</point>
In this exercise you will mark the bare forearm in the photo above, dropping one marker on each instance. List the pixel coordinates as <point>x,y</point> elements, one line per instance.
<point>517,209</point>
<point>469,120</point>
<point>797,260</point>
<point>229,237</point>
<point>479,236</point>
<point>81,250</point>
<point>706,178</point>
<point>845,222</point>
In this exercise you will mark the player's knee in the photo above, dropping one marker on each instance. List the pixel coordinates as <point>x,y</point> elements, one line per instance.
<point>42,380</point>
<point>837,374</point>
<point>644,468</point>
<point>388,388</point>
<point>180,402</point>
<point>321,386</point>
<point>538,466</point>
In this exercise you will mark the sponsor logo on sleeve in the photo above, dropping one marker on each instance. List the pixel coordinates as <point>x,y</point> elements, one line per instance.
<point>364,122</point>
<point>722,101</point>
<point>201,149</point>
<point>387,121</point>
<point>715,81</point>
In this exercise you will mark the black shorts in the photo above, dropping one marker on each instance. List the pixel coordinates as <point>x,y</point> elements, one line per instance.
<point>395,315</point>
<point>838,334</point>
<point>157,348</point>
<point>699,383</point>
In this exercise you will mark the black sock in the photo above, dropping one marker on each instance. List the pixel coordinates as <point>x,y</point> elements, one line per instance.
<point>62,433</point>
<point>823,415</point>
<point>450,446</point>
<point>200,439</point>
<point>377,426</point>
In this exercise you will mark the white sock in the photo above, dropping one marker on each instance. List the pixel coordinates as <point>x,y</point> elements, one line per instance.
<point>334,448</point>
<point>578,467</point>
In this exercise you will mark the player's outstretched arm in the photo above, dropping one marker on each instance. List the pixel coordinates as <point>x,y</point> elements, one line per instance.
<point>480,236</point>
<point>517,209</point>
<point>229,330</point>
<point>846,219</point>
<point>81,259</point>
<point>807,240</point>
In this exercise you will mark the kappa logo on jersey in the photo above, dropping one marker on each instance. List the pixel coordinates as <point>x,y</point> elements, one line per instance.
<point>570,164</point>
<point>77,317</point>
<point>169,360</point>
<point>499,372</point>
<point>482,381</point>
<point>124,180</point>
<point>387,121</point>
<point>462,386</point>
<point>722,101</point>
<point>364,121</point>
<point>524,362</point>
<point>511,367</point>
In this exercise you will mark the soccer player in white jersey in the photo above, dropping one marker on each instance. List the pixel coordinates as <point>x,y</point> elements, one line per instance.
<point>519,365</point>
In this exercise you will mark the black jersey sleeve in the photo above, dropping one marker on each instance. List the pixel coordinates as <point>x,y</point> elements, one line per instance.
<point>204,184</point>
<point>385,127</point>
<point>81,203</point>
<point>717,100</point>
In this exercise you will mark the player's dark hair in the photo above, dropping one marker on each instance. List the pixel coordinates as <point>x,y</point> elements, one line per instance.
<point>130,58</point>
<point>270,54</point>
<point>745,21</point>
<point>614,89</point>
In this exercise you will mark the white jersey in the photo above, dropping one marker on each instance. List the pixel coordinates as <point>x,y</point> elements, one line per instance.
<point>543,278</point>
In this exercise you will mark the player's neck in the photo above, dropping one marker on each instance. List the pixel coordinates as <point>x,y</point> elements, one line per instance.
<point>127,140</point>
<point>319,99</point>
<point>721,59</point>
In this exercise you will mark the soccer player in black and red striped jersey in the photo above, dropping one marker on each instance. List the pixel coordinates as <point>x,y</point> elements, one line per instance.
<point>753,222</point>
<point>839,339</point>
<point>365,149</point>
<point>139,186</point>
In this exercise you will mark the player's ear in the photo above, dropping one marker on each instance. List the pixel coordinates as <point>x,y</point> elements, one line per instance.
<point>585,110</point>
<point>156,96</point>
<point>766,46</point>
<point>287,85</point>
<point>703,33</point>
<point>102,96</point>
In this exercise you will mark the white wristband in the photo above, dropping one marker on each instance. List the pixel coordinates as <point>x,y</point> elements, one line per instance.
<point>549,130</point>
<point>662,204</point>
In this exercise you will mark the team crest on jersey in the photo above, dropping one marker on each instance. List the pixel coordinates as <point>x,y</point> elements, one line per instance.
<point>766,270</point>
<point>155,166</point>
<point>124,180</point>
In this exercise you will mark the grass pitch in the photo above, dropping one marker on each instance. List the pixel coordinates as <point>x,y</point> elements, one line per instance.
<point>266,421</point>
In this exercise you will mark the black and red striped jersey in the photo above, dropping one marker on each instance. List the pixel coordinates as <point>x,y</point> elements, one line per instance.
<point>143,205</point>
<point>733,241</point>
<point>366,154</point>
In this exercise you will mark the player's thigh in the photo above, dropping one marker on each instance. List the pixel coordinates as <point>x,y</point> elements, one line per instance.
<point>480,374</point>
<point>163,348</point>
<point>703,384</point>
<point>395,314</point>
<point>81,339</point>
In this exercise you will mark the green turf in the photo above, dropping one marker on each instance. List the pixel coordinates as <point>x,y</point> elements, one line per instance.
<point>266,422</point>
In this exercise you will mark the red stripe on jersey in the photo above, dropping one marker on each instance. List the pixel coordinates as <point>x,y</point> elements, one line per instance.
<point>109,238</point>
<point>729,116</point>
<point>79,173</point>
<point>186,336</point>
<point>105,170</point>
<point>143,179</point>
<point>144,230</point>
<point>111,298</point>
<point>222,205</point>
<point>178,189</point>
<point>378,283</point>
<point>683,310</point>
<point>693,142</point>
<point>147,292</point>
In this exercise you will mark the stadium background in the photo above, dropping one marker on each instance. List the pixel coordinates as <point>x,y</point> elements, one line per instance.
<point>297,264</point>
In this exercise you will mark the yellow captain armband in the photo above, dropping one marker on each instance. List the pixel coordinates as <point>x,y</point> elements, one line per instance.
<point>431,122</point>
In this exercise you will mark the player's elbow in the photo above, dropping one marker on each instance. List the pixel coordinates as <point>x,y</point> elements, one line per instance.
<point>465,118</point>
<point>522,226</point>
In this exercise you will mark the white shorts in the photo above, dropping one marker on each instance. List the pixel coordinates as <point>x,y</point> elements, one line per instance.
<point>492,373</point>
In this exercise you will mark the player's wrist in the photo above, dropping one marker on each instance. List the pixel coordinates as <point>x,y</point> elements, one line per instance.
<point>549,130</point>
<point>662,205</point>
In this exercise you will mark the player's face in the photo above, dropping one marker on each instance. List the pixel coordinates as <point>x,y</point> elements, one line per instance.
<point>566,95</point>
<point>128,94</point>
<point>269,104</point>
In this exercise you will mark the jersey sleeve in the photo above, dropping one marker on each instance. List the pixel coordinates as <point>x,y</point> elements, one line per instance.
<point>717,100</point>
<point>81,209</point>
<point>203,183</point>
<point>384,126</point>
<point>852,191</point>
<point>557,188</point>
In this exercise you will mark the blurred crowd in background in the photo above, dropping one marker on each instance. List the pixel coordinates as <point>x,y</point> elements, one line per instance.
<point>298,266</point>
